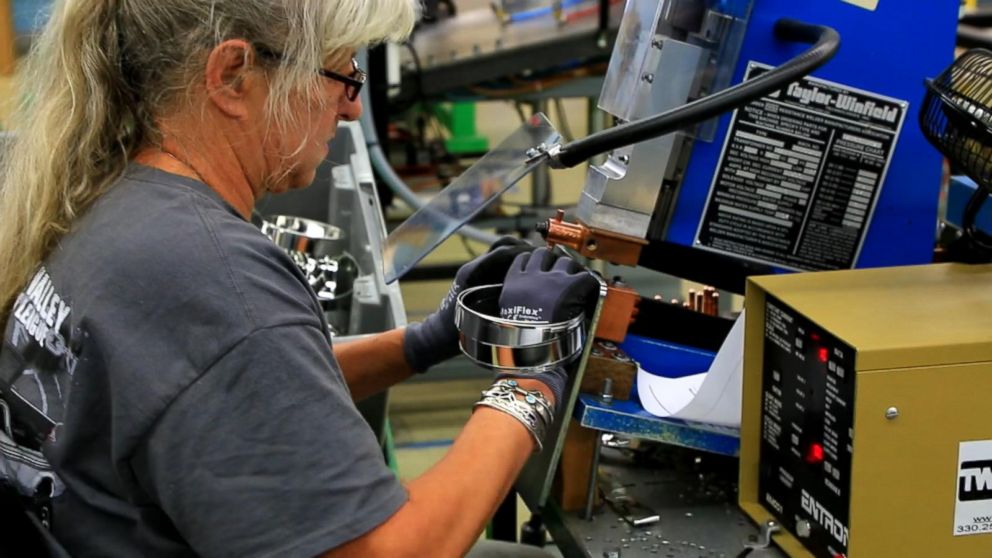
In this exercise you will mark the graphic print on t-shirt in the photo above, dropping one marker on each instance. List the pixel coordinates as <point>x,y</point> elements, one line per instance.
<point>38,363</point>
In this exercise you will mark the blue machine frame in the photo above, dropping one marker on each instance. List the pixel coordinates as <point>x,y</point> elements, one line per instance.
<point>881,52</point>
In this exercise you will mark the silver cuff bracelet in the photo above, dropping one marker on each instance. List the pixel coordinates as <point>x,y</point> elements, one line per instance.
<point>507,387</point>
<point>533,410</point>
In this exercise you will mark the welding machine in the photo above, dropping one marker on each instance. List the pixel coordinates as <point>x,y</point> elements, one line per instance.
<point>866,428</point>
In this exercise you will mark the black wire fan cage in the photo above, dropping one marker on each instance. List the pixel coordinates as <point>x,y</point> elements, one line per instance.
<point>956,118</point>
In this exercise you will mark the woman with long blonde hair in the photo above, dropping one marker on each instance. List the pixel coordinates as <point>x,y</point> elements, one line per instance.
<point>167,384</point>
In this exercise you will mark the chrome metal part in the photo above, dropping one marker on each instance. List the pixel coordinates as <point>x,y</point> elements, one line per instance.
<point>500,344</point>
<point>533,359</point>
<point>318,249</point>
<point>305,236</point>
<point>621,194</point>
<point>607,394</point>
<point>667,53</point>
<point>764,539</point>
<point>615,441</point>
<point>475,316</point>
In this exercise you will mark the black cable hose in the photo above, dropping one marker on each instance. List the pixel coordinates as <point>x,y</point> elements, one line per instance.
<point>825,41</point>
<point>973,37</point>
<point>981,17</point>
<point>971,210</point>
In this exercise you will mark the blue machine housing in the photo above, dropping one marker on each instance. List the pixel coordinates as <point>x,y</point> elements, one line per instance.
<point>960,191</point>
<point>888,51</point>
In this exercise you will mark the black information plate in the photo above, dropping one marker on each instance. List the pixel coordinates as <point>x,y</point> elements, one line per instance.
<point>799,175</point>
<point>806,420</point>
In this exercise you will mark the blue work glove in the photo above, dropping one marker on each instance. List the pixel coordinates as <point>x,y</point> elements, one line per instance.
<point>436,338</point>
<point>544,287</point>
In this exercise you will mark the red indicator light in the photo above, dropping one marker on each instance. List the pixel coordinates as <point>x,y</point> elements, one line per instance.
<point>823,354</point>
<point>815,454</point>
<point>814,336</point>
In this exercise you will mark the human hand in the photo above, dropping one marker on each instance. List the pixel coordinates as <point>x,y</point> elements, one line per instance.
<point>436,338</point>
<point>544,287</point>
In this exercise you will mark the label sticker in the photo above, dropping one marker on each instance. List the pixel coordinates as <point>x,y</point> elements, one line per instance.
<point>800,174</point>
<point>866,4</point>
<point>973,490</point>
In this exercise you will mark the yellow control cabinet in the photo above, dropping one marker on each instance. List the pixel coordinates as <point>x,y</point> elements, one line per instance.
<point>867,411</point>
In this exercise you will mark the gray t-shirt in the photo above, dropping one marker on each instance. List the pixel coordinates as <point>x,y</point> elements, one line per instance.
<point>177,364</point>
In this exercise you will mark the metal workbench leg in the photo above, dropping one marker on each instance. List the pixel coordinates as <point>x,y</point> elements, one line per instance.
<point>504,524</point>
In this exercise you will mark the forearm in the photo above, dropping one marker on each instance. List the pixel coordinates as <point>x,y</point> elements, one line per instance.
<point>373,364</point>
<point>451,503</point>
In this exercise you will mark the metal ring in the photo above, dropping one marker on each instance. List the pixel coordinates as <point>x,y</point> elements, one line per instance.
<point>527,360</point>
<point>474,318</point>
<point>296,234</point>
<point>512,345</point>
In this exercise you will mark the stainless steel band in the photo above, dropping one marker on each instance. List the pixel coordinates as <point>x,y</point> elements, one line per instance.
<point>491,329</point>
<point>513,345</point>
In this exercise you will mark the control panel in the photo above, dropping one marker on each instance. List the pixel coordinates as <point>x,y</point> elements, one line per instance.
<point>807,419</point>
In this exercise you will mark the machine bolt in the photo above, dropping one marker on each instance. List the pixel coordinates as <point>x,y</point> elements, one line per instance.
<point>891,413</point>
<point>607,395</point>
<point>657,43</point>
<point>649,78</point>
<point>803,529</point>
<point>625,159</point>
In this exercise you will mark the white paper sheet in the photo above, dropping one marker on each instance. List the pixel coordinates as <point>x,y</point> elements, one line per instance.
<point>712,397</point>
<point>663,397</point>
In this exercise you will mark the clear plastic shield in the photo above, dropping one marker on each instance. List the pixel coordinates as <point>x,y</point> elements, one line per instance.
<point>464,198</point>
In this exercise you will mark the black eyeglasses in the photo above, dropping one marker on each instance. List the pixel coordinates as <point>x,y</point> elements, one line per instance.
<point>352,83</point>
